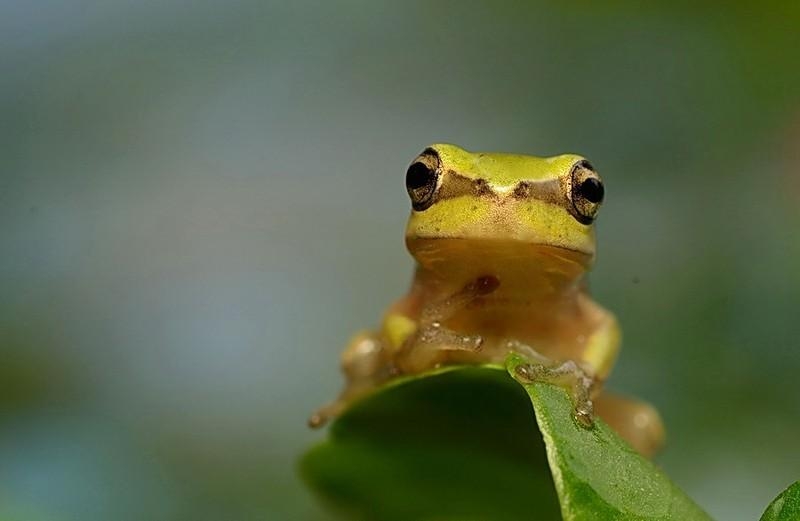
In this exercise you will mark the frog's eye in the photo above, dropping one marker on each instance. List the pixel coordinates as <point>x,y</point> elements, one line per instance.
<point>422,178</point>
<point>585,192</point>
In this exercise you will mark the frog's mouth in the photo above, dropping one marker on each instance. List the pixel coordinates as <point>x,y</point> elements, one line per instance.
<point>462,259</point>
<point>511,250</point>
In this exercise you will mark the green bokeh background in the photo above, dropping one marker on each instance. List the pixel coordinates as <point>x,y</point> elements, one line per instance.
<point>200,201</point>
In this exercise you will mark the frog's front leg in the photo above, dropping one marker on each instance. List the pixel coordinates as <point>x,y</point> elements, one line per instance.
<point>445,308</point>
<point>436,336</point>
<point>424,348</point>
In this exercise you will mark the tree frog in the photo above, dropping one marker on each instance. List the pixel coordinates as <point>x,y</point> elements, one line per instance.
<point>502,243</point>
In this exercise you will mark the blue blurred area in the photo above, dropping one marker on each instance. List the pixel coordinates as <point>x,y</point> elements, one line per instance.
<point>200,201</point>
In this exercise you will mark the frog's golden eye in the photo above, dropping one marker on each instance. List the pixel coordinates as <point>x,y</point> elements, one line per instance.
<point>422,178</point>
<point>585,192</point>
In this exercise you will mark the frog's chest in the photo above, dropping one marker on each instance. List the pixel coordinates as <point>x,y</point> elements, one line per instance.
<point>555,325</point>
<point>510,314</point>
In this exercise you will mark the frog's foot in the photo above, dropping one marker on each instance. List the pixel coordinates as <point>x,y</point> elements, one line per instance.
<point>324,414</point>
<point>635,421</point>
<point>354,391</point>
<point>440,338</point>
<point>567,374</point>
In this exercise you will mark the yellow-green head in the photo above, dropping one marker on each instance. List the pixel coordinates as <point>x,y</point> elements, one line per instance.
<point>515,199</point>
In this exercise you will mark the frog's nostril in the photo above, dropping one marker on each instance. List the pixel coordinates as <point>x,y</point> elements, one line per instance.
<point>522,190</point>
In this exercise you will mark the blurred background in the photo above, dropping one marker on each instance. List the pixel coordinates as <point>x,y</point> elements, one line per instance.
<point>201,201</point>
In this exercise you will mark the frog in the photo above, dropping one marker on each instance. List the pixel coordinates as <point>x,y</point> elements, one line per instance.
<point>502,244</point>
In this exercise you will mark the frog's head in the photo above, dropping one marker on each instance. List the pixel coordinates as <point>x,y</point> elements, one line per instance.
<point>526,203</point>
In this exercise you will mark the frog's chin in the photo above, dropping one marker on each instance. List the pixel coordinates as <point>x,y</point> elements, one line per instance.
<point>498,256</point>
<point>502,248</point>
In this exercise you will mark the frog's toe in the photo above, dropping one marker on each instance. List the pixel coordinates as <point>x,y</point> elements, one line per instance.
<point>584,413</point>
<point>317,420</point>
<point>325,414</point>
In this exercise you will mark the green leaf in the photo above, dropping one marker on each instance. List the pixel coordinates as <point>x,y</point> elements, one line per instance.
<point>596,474</point>
<point>462,444</point>
<point>785,507</point>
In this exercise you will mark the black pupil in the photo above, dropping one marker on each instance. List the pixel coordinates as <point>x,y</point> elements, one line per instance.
<point>418,176</point>
<point>592,190</point>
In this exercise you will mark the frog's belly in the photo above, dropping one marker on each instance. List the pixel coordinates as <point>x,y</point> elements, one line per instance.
<point>555,331</point>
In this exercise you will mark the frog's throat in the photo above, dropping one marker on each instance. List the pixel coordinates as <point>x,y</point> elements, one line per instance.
<point>513,262</point>
<point>457,250</point>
